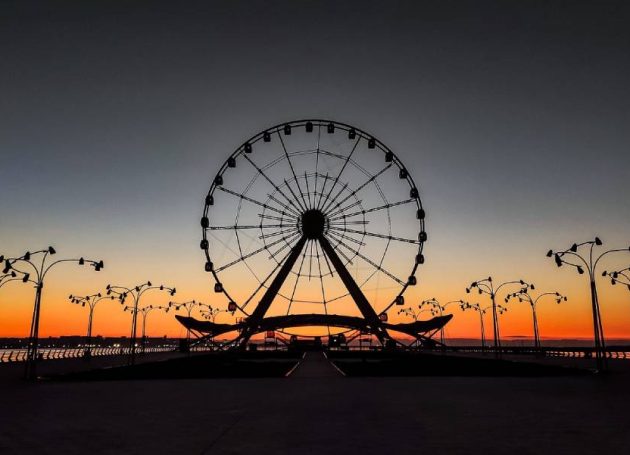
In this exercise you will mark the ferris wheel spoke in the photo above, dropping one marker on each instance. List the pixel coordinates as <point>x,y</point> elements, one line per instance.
<point>283,205</point>
<point>297,199</point>
<point>349,223</point>
<point>310,262</point>
<point>277,233</point>
<point>272,183</point>
<point>319,132</point>
<point>359,188</point>
<point>248,226</point>
<point>249,199</point>
<point>331,201</point>
<point>308,191</point>
<point>347,207</point>
<point>342,234</point>
<point>321,195</point>
<point>341,253</point>
<point>264,282</point>
<point>277,218</point>
<point>373,209</point>
<point>252,253</point>
<point>378,267</point>
<point>381,236</point>
<point>282,248</point>
<point>286,153</point>
<point>297,279</point>
<point>343,167</point>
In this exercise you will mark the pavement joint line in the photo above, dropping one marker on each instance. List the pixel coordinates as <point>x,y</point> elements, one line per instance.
<point>222,434</point>
<point>295,366</point>
<point>333,364</point>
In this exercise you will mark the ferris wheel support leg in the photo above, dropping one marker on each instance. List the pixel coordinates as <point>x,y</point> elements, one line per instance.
<point>253,322</point>
<point>375,324</point>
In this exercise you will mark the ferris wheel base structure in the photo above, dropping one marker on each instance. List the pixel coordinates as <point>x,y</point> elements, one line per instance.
<point>420,330</point>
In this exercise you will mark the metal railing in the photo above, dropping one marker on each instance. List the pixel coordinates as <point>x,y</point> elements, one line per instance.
<point>611,352</point>
<point>19,355</point>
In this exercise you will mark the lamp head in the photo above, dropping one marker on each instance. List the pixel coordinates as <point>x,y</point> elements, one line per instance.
<point>574,247</point>
<point>549,253</point>
<point>27,256</point>
<point>580,270</point>
<point>81,261</point>
<point>51,250</point>
<point>598,241</point>
<point>25,278</point>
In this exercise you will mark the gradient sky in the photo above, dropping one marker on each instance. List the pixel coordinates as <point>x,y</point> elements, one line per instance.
<point>512,118</point>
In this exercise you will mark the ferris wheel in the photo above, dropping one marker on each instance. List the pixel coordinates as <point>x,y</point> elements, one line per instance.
<point>313,223</point>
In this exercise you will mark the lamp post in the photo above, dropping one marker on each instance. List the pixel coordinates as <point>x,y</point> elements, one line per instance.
<point>482,311</point>
<point>188,307</point>
<point>524,296</point>
<point>90,301</point>
<point>435,304</point>
<point>136,293</point>
<point>415,315</point>
<point>486,286</point>
<point>40,268</point>
<point>589,260</point>
<point>145,313</point>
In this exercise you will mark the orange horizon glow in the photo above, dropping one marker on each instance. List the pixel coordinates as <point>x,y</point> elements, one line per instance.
<point>59,317</point>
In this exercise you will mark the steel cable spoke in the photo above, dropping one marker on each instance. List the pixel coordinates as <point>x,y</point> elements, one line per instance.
<point>373,209</point>
<point>276,187</point>
<point>375,265</point>
<point>249,255</point>
<point>248,226</point>
<point>360,187</point>
<point>382,236</point>
<point>249,199</point>
<point>291,166</point>
<point>343,167</point>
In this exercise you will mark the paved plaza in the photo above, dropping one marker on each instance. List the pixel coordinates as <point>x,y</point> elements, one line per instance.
<point>316,410</point>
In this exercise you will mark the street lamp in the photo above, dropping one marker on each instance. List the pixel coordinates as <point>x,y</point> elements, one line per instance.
<point>524,296</point>
<point>145,312</point>
<point>435,304</point>
<point>482,311</point>
<point>619,276</point>
<point>416,314</point>
<point>407,311</point>
<point>590,261</point>
<point>13,276</point>
<point>90,301</point>
<point>188,307</point>
<point>136,293</point>
<point>40,271</point>
<point>486,286</point>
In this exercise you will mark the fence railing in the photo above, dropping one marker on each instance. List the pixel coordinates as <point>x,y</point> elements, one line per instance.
<point>19,355</point>
<point>611,352</point>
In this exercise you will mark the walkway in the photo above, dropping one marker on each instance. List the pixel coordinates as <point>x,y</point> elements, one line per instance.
<point>315,365</point>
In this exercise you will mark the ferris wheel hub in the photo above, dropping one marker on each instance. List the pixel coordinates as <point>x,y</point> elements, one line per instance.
<point>313,223</point>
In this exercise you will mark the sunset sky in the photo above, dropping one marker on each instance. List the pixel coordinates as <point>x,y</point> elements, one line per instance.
<point>512,117</point>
